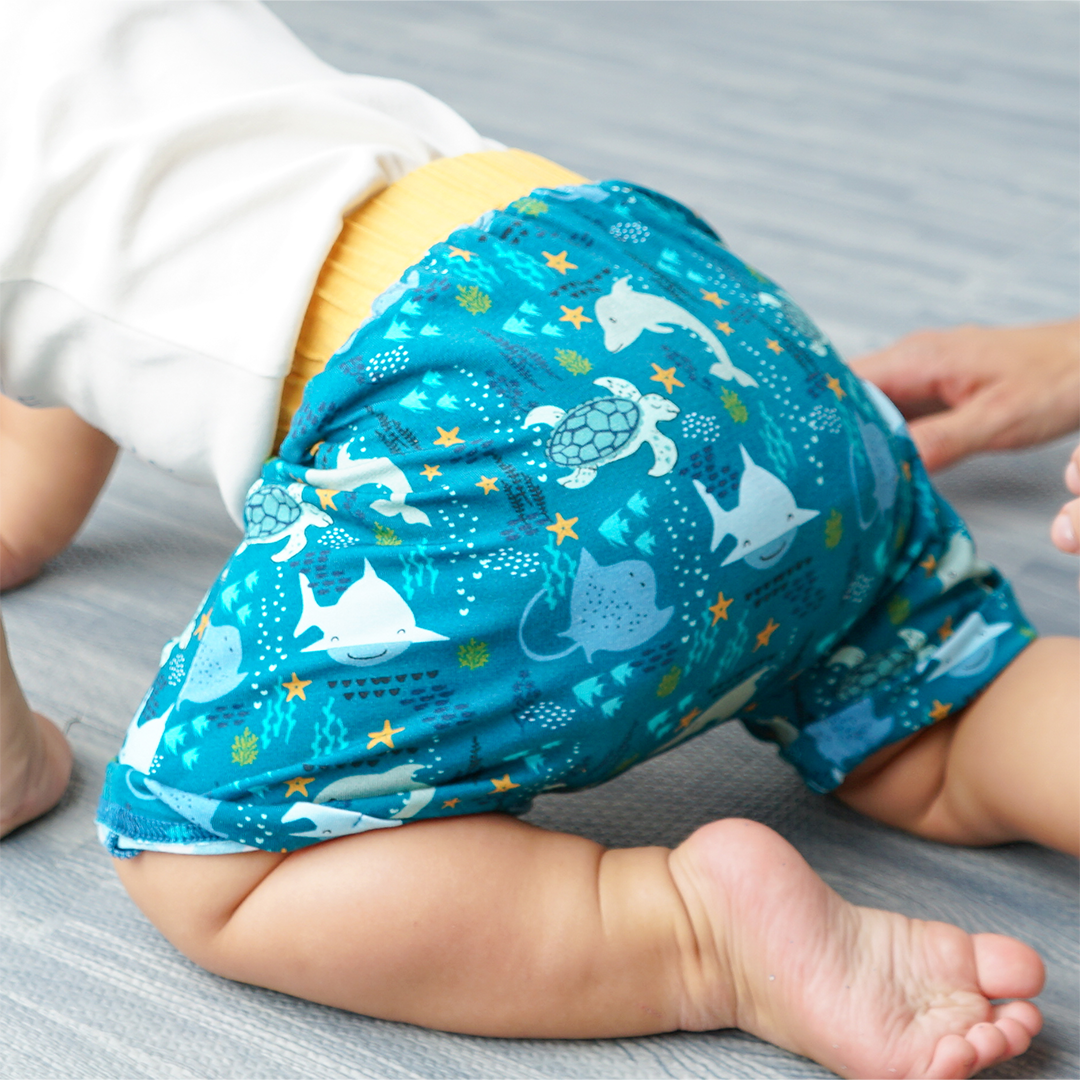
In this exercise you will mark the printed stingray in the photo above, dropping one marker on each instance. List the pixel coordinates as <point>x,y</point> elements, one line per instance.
<point>884,474</point>
<point>215,671</point>
<point>612,608</point>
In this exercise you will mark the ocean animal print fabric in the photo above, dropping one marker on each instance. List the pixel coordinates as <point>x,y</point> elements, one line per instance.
<point>584,485</point>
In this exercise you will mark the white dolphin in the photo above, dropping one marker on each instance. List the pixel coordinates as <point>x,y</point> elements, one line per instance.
<point>624,313</point>
<point>369,623</point>
<point>372,785</point>
<point>351,473</point>
<point>764,521</point>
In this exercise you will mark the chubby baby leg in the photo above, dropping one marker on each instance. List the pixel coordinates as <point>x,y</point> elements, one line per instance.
<point>490,926</point>
<point>1002,770</point>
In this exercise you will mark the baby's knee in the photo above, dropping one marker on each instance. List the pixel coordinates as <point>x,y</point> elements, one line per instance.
<point>191,899</point>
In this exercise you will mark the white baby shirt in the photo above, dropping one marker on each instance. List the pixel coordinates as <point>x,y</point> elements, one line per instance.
<point>172,176</point>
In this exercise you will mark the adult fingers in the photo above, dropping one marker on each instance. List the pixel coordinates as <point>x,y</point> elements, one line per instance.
<point>1072,472</point>
<point>945,437</point>
<point>908,371</point>
<point>1065,530</point>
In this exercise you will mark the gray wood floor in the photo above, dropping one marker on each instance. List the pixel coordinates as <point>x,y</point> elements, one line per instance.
<point>894,165</point>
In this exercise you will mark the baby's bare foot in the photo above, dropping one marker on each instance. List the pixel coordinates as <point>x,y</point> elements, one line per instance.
<point>34,772</point>
<point>866,993</point>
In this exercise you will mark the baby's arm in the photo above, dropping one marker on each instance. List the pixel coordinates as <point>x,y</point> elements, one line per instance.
<point>53,465</point>
<point>1004,769</point>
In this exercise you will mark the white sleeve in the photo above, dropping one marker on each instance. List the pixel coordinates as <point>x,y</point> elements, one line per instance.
<point>172,176</point>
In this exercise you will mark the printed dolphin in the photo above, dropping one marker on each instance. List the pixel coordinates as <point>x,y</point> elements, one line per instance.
<point>330,822</point>
<point>372,785</point>
<point>369,624</point>
<point>351,473</point>
<point>624,313</point>
<point>764,521</point>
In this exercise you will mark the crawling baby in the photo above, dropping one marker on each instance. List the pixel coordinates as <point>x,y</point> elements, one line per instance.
<point>576,484</point>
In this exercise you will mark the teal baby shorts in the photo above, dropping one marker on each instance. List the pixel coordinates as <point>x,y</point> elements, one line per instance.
<point>584,485</point>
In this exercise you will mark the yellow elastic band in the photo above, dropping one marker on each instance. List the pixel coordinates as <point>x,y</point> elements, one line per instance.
<point>380,240</point>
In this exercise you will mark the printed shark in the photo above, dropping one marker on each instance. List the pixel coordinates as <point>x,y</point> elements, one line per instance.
<point>763,523</point>
<point>969,649</point>
<point>724,708</point>
<point>330,823</point>
<point>369,623</point>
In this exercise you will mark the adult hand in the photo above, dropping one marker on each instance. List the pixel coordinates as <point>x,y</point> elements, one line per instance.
<point>1065,531</point>
<point>978,388</point>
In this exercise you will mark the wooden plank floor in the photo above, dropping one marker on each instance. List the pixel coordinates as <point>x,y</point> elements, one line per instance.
<point>893,165</point>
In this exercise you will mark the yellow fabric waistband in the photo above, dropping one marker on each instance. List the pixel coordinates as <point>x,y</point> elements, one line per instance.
<point>380,240</point>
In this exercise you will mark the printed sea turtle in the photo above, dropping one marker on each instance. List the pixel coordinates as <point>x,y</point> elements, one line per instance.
<point>273,512</point>
<point>606,429</point>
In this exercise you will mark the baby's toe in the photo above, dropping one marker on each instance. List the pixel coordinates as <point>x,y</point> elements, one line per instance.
<point>1007,968</point>
<point>1016,1035</point>
<point>991,1045</point>
<point>954,1059</point>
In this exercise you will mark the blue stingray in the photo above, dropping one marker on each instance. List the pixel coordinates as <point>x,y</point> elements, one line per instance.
<point>612,608</point>
<point>215,671</point>
<point>883,467</point>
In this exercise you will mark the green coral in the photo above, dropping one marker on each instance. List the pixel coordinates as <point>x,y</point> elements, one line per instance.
<point>245,748</point>
<point>385,536</point>
<point>529,206</point>
<point>736,409</point>
<point>669,681</point>
<point>899,609</point>
<point>473,654</point>
<point>834,528</point>
<point>473,300</point>
<point>574,362</point>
